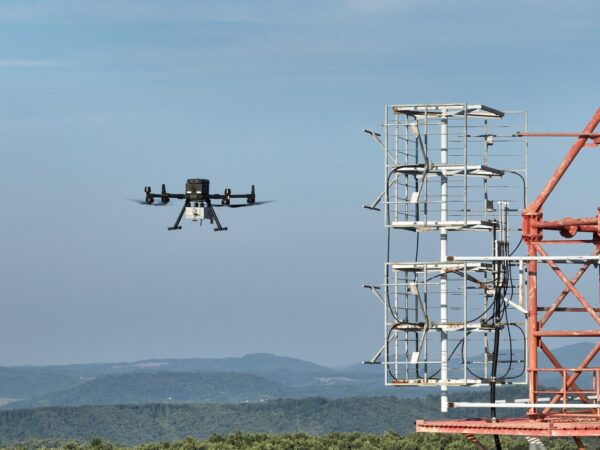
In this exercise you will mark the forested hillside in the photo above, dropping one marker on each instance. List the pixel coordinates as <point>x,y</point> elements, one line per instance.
<point>165,387</point>
<point>213,380</point>
<point>134,424</point>
<point>302,441</point>
<point>218,380</point>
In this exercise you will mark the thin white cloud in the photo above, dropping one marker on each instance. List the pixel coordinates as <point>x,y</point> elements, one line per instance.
<point>28,63</point>
<point>195,11</point>
<point>374,6</point>
<point>129,10</point>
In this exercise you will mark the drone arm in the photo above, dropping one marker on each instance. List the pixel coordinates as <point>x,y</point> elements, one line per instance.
<point>176,226</point>
<point>221,196</point>
<point>251,197</point>
<point>153,195</point>
<point>213,215</point>
<point>239,196</point>
<point>178,196</point>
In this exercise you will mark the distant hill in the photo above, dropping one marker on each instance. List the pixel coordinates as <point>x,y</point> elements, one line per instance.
<point>282,369</point>
<point>226,380</point>
<point>213,380</point>
<point>28,382</point>
<point>571,355</point>
<point>165,387</point>
<point>204,387</point>
<point>25,382</point>
<point>131,424</point>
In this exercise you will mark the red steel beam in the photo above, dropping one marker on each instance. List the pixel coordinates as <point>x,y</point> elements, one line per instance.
<point>589,228</point>
<point>566,222</point>
<point>560,309</point>
<point>565,291</point>
<point>575,375</point>
<point>514,427</point>
<point>557,364</point>
<point>532,325</point>
<point>537,204</point>
<point>569,285</point>
<point>567,333</point>
<point>533,225</point>
<point>555,134</point>
<point>473,440</point>
<point>571,241</point>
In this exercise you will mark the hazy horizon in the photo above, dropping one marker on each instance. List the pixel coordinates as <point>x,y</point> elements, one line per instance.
<point>103,98</point>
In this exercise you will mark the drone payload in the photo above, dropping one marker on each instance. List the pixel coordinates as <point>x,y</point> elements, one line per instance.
<point>195,188</point>
<point>198,200</point>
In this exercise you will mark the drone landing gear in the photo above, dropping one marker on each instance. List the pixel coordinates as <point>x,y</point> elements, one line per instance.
<point>213,216</point>
<point>176,226</point>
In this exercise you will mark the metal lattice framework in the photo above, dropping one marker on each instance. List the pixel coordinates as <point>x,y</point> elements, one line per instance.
<point>451,173</point>
<point>570,407</point>
<point>541,327</point>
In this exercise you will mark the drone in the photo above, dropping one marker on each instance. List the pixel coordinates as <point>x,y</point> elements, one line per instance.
<point>198,204</point>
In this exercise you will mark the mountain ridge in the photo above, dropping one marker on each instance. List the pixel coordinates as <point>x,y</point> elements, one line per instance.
<point>217,380</point>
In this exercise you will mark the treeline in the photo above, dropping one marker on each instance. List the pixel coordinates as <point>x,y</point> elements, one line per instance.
<point>135,424</point>
<point>302,441</point>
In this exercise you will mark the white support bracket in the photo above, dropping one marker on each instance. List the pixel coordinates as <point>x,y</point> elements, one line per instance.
<point>374,290</point>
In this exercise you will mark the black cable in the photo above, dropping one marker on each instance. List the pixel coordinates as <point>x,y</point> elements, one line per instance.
<point>509,283</point>
<point>387,274</point>
<point>499,315</point>
<point>460,342</point>
<point>387,267</point>
<point>387,354</point>
<point>388,303</point>
<point>508,325</point>
<point>495,364</point>
<point>514,172</point>
<point>500,306</point>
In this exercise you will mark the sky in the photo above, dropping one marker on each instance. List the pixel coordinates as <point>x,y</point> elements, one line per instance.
<point>100,99</point>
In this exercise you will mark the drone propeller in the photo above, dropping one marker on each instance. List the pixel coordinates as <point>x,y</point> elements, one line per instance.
<point>243,205</point>
<point>144,202</point>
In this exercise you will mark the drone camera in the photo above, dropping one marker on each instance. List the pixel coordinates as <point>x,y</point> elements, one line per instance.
<point>197,188</point>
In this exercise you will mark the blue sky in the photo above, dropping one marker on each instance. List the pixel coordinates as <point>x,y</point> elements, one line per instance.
<point>102,98</point>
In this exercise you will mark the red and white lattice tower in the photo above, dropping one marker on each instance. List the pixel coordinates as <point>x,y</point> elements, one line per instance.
<point>456,318</point>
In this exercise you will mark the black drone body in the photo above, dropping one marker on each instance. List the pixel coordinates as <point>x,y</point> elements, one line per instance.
<point>198,200</point>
